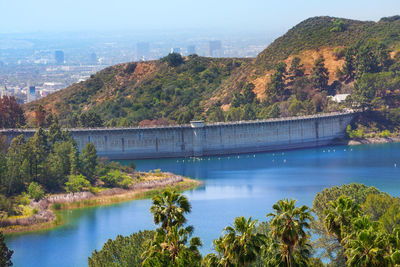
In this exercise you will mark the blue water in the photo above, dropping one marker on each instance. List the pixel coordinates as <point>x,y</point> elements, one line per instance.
<point>241,185</point>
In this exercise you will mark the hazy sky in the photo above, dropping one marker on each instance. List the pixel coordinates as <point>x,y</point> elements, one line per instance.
<point>254,15</point>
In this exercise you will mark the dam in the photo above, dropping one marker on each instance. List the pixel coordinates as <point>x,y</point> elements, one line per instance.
<point>209,139</point>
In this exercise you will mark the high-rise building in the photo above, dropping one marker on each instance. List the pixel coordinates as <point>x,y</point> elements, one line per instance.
<point>142,51</point>
<point>176,50</point>
<point>191,50</point>
<point>31,93</point>
<point>59,57</point>
<point>93,58</point>
<point>215,49</point>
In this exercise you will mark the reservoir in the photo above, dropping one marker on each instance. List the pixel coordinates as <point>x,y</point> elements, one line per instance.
<point>235,185</point>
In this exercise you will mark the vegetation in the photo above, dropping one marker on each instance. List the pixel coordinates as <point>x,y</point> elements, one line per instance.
<point>49,162</point>
<point>5,253</point>
<point>123,251</point>
<point>356,225</point>
<point>295,75</point>
<point>11,113</point>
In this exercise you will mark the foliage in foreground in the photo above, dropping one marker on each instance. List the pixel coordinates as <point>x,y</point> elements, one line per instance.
<point>357,226</point>
<point>123,251</point>
<point>5,253</point>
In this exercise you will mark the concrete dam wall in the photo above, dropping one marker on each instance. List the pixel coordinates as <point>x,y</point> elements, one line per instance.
<point>200,139</point>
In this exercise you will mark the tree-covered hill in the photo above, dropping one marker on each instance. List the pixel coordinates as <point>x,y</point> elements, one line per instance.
<point>295,75</point>
<point>317,32</point>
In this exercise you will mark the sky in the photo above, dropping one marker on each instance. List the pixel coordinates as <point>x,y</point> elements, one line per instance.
<point>24,16</point>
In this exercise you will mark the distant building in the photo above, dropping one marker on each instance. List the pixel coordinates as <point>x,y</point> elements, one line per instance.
<point>339,98</point>
<point>142,51</point>
<point>4,92</point>
<point>191,50</point>
<point>59,57</point>
<point>176,50</point>
<point>93,59</point>
<point>215,49</point>
<point>31,93</point>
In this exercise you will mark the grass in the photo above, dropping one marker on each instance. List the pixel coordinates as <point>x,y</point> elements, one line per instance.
<point>186,184</point>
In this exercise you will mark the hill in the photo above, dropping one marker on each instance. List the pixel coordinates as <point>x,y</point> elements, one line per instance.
<point>294,75</point>
<point>318,32</point>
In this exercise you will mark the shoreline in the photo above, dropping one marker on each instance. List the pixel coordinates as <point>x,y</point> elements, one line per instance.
<point>368,141</point>
<point>50,216</point>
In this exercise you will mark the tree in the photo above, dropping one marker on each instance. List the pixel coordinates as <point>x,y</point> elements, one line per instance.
<point>90,120</point>
<point>239,246</point>
<point>40,116</point>
<point>171,245</point>
<point>89,161</point>
<point>174,59</point>
<point>327,244</point>
<point>76,183</point>
<point>11,113</point>
<point>248,113</point>
<point>338,217</point>
<point>169,208</point>
<point>248,93</point>
<point>289,225</point>
<point>320,74</point>
<point>368,245</point>
<point>234,114</point>
<point>276,87</point>
<point>35,191</point>
<point>5,253</point>
<point>349,68</point>
<point>338,26</point>
<point>16,171</point>
<point>123,251</point>
<point>215,114</point>
<point>296,69</point>
<point>39,149</point>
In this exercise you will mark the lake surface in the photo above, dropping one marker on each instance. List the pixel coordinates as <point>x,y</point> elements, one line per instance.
<point>241,185</point>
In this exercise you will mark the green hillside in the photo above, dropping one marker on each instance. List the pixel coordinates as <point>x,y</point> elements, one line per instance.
<point>318,32</point>
<point>295,75</point>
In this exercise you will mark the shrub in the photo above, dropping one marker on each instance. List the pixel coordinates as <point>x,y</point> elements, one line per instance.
<point>76,183</point>
<point>357,134</point>
<point>116,178</point>
<point>57,206</point>
<point>157,172</point>
<point>94,190</point>
<point>35,191</point>
<point>173,59</point>
<point>338,52</point>
<point>385,134</point>
<point>24,199</point>
<point>6,207</point>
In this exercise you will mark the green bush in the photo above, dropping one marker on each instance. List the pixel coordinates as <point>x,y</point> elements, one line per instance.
<point>122,251</point>
<point>116,178</point>
<point>357,134</point>
<point>76,183</point>
<point>57,206</point>
<point>94,190</point>
<point>35,191</point>
<point>6,207</point>
<point>385,134</point>
<point>24,199</point>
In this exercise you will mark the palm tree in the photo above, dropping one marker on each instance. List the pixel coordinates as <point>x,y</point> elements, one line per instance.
<point>369,247</point>
<point>288,226</point>
<point>171,245</point>
<point>238,247</point>
<point>169,209</point>
<point>338,216</point>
